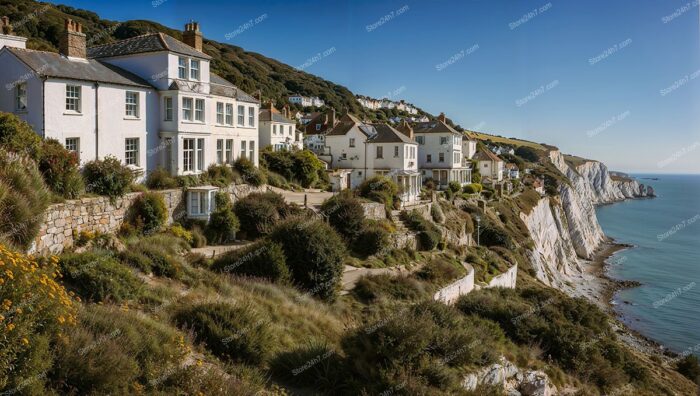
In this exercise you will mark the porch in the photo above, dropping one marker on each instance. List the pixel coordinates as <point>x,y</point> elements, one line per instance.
<point>443,177</point>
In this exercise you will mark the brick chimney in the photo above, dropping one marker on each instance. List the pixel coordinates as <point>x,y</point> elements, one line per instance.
<point>330,117</point>
<point>405,128</point>
<point>285,111</point>
<point>72,43</point>
<point>192,36</point>
<point>6,26</point>
<point>442,117</point>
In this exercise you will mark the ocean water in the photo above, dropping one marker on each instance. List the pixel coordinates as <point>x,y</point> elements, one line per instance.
<point>665,232</point>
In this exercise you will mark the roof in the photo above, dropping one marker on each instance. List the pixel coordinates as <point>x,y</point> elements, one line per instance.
<point>344,125</point>
<point>387,134</point>
<point>51,64</point>
<point>436,126</point>
<point>320,118</point>
<point>152,42</point>
<point>485,155</point>
<point>275,116</point>
<point>376,133</point>
<point>222,87</point>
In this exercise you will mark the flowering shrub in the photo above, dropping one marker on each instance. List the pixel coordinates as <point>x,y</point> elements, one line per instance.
<point>60,169</point>
<point>32,304</point>
<point>107,177</point>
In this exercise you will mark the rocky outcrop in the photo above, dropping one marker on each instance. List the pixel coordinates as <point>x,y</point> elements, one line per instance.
<point>513,380</point>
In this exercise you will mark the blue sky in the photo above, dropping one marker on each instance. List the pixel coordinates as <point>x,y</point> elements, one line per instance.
<point>617,81</point>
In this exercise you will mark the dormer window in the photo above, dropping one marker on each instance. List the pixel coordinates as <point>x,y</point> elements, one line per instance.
<point>194,70</point>
<point>182,68</point>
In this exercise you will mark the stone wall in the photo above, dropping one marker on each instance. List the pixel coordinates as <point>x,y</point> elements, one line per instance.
<point>374,210</point>
<point>449,294</point>
<point>506,280</point>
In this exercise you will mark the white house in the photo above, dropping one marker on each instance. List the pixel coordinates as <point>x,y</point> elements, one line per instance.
<point>148,100</point>
<point>440,152</point>
<point>490,166</point>
<point>306,101</point>
<point>468,146</point>
<point>512,170</point>
<point>277,130</point>
<point>315,131</point>
<point>375,149</point>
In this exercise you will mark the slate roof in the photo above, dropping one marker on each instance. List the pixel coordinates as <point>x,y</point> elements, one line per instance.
<point>222,87</point>
<point>51,64</point>
<point>275,116</point>
<point>153,42</point>
<point>485,155</point>
<point>436,126</point>
<point>376,133</point>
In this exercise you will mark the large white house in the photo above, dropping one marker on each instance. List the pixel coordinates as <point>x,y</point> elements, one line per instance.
<point>149,101</point>
<point>375,149</point>
<point>440,152</point>
<point>277,130</point>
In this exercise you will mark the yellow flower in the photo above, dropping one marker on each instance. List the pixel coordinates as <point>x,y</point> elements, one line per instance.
<point>2,318</point>
<point>199,362</point>
<point>25,341</point>
<point>18,310</point>
<point>61,319</point>
<point>10,327</point>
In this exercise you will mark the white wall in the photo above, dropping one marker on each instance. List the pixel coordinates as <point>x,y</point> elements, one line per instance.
<point>12,41</point>
<point>268,138</point>
<point>13,71</point>
<point>449,294</point>
<point>433,147</point>
<point>152,67</point>
<point>506,280</point>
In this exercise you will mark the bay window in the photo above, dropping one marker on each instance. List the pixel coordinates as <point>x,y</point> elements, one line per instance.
<point>187,109</point>
<point>220,113</point>
<point>199,110</point>
<point>229,114</point>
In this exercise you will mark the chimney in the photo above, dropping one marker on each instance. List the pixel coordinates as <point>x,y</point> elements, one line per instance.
<point>285,111</point>
<point>192,36</point>
<point>330,117</point>
<point>271,107</point>
<point>5,26</point>
<point>442,117</point>
<point>72,43</point>
<point>406,129</point>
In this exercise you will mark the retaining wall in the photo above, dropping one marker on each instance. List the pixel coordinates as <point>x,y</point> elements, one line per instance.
<point>506,280</point>
<point>449,294</point>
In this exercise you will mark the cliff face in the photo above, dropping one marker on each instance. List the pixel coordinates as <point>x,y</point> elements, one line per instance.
<point>566,231</point>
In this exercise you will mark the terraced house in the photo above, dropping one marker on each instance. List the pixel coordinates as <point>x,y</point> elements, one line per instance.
<point>149,100</point>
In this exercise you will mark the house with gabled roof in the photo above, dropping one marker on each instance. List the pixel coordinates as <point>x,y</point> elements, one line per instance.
<point>490,166</point>
<point>440,152</point>
<point>149,100</point>
<point>368,149</point>
<point>316,129</point>
<point>277,130</point>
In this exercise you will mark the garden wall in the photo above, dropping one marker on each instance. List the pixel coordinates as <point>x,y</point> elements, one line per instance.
<point>506,279</point>
<point>452,292</point>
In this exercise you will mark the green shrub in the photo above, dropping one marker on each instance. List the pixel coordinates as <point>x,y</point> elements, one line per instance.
<point>23,199</point>
<point>440,271</point>
<point>429,235</point>
<point>307,167</point>
<point>259,212</point>
<point>249,172</point>
<point>301,166</point>
<point>198,238</point>
<point>437,214</point>
<point>148,212</point>
<point>454,186</point>
<point>179,231</point>
<point>261,260</point>
<point>17,136</point>
<point>59,167</point>
<point>689,367</point>
<point>99,277</point>
<point>277,180</point>
<point>219,175</point>
<point>160,179</point>
<point>472,188</point>
<point>372,239</point>
<point>107,177</point>
<point>529,153</point>
<point>164,253</point>
<point>137,260</point>
<point>236,333</point>
<point>315,365</point>
<point>379,189</point>
<point>223,223</point>
<point>345,214</point>
<point>314,254</point>
<point>371,288</point>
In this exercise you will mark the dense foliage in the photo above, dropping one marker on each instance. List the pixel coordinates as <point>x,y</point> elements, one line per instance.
<point>300,166</point>
<point>99,277</point>
<point>18,137</point>
<point>263,259</point>
<point>107,177</point>
<point>60,169</point>
<point>429,235</point>
<point>148,212</point>
<point>223,223</point>
<point>259,212</point>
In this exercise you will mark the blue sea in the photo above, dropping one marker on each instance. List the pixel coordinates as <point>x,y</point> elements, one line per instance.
<point>665,233</point>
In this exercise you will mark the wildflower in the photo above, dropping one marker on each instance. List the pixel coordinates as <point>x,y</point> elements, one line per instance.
<point>10,327</point>
<point>61,319</point>
<point>25,341</point>
<point>199,362</point>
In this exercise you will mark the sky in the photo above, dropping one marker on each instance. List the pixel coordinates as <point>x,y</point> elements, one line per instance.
<point>616,81</point>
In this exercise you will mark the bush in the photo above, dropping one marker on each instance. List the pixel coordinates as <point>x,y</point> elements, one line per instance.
<point>99,277</point>
<point>294,367</point>
<point>472,188</point>
<point>17,136</point>
<point>23,199</point>
<point>314,254</point>
<point>379,189</point>
<point>198,238</point>
<point>160,179</point>
<point>259,212</point>
<point>454,186</point>
<point>261,260</point>
<point>429,235</point>
<point>219,175</point>
<point>236,333</point>
<point>148,213</point>
<point>529,153</point>
<point>371,288</point>
<point>301,166</point>
<point>59,167</point>
<point>437,213</point>
<point>440,271</point>
<point>372,239</point>
<point>34,307</point>
<point>107,177</point>
<point>249,172</point>
<point>223,223</point>
<point>345,214</point>
<point>164,255</point>
<point>179,231</point>
<point>689,367</point>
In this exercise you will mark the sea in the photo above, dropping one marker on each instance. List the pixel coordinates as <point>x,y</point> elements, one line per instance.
<point>665,258</point>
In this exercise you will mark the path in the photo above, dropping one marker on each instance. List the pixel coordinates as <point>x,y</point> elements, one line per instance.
<point>213,251</point>
<point>314,197</point>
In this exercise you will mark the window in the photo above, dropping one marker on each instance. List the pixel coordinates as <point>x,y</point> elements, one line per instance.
<point>396,151</point>
<point>352,142</point>
<point>441,157</point>
<point>73,98</point>
<point>380,152</point>
<point>229,151</point>
<point>229,114</point>
<point>132,104</point>
<point>420,140</point>
<point>73,144</point>
<point>168,105</point>
<point>318,127</point>
<point>187,109</point>
<point>131,151</point>
<point>456,158</point>
<point>188,155</point>
<point>219,113</point>
<point>251,148</point>
<point>194,70</point>
<point>220,151</point>
<point>443,140</point>
<point>241,115</point>
<point>242,148</point>
<point>182,68</point>
<point>344,156</point>
<point>200,203</point>
<point>429,158</point>
<point>21,96</point>
<point>414,150</point>
<point>251,116</point>
<point>274,129</point>
<point>199,110</point>
<point>200,154</point>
